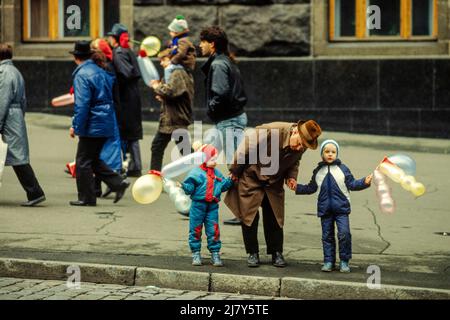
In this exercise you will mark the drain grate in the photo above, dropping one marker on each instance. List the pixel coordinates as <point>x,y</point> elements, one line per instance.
<point>443,233</point>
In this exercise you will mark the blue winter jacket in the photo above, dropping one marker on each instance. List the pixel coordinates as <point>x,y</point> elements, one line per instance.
<point>334,182</point>
<point>195,184</point>
<point>94,106</point>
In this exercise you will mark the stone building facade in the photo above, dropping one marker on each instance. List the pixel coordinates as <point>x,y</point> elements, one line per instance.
<point>299,59</point>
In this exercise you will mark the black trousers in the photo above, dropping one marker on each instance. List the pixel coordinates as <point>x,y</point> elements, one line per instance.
<point>89,163</point>
<point>273,233</point>
<point>159,144</point>
<point>28,180</point>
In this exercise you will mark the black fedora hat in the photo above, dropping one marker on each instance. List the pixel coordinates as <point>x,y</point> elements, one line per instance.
<point>117,30</point>
<point>82,48</point>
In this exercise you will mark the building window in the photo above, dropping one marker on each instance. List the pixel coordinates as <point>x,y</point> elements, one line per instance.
<point>370,20</point>
<point>68,20</point>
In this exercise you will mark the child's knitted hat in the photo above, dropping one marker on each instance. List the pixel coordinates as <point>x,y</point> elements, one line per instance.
<point>322,146</point>
<point>210,151</point>
<point>178,25</point>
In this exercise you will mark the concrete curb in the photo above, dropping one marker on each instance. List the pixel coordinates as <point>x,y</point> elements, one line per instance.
<point>311,289</point>
<point>263,286</point>
<point>174,279</point>
<point>213,282</point>
<point>55,270</point>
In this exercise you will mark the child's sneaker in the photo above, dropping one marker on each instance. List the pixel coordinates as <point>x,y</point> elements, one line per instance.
<point>196,259</point>
<point>215,259</point>
<point>344,267</point>
<point>328,267</point>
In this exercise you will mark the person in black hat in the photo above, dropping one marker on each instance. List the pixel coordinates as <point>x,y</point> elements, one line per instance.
<point>128,74</point>
<point>93,122</point>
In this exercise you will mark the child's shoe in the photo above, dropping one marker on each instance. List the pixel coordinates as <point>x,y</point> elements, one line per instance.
<point>328,267</point>
<point>196,259</point>
<point>215,259</point>
<point>344,267</point>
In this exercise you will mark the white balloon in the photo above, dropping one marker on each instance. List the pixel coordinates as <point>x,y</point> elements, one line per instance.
<point>378,177</point>
<point>405,162</point>
<point>392,171</point>
<point>182,165</point>
<point>148,70</point>
<point>183,204</point>
<point>176,192</point>
<point>385,201</point>
<point>169,184</point>
<point>387,205</point>
<point>383,189</point>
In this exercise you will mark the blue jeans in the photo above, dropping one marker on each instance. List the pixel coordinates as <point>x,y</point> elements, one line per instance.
<point>231,135</point>
<point>344,237</point>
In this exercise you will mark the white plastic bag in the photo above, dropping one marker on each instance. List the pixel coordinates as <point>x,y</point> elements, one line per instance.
<point>3,152</point>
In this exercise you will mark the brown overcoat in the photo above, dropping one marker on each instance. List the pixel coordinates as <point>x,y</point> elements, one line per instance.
<point>245,198</point>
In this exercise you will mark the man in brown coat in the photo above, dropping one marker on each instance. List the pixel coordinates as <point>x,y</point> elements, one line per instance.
<point>261,182</point>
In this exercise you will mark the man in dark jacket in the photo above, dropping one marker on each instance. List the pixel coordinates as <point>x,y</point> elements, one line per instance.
<point>12,126</point>
<point>93,122</point>
<point>128,74</point>
<point>225,96</point>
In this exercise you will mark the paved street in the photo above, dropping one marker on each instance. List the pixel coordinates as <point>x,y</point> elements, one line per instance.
<point>406,245</point>
<point>24,289</point>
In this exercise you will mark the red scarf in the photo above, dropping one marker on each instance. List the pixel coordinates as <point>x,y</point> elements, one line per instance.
<point>210,176</point>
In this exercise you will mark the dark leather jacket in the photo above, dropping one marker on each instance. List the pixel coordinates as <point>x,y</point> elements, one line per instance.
<point>225,96</point>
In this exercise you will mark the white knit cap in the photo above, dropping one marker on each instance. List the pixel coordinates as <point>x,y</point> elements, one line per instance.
<point>179,24</point>
<point>322,146</point>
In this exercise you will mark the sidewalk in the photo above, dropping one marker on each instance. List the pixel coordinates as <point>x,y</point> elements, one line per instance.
<point>406,246</point>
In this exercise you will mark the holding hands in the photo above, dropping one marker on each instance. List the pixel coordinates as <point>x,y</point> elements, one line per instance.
<point>291,183</point>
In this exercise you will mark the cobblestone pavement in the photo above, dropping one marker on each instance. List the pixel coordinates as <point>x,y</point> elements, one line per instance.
<point>25,289</point>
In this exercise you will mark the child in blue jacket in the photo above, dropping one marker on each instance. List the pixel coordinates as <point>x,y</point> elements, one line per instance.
<point>205,184</point>
<point>334,181</point>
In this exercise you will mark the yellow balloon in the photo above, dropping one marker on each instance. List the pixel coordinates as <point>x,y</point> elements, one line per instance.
<point>147,189</point>
<point>407,182</point>
<point>151,45</point>
<point>418,189</point>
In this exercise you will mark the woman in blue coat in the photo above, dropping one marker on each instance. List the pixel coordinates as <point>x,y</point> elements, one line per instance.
<point>13,128</point>
<point>334,181</point>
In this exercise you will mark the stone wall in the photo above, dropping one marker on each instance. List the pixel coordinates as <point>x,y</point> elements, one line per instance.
<point>254,27</point>
<point>380,96</point>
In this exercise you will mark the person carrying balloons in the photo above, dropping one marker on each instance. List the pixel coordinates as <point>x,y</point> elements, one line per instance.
<point>205,184</point>
<point>176,97</point>
<point>334,181</point>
